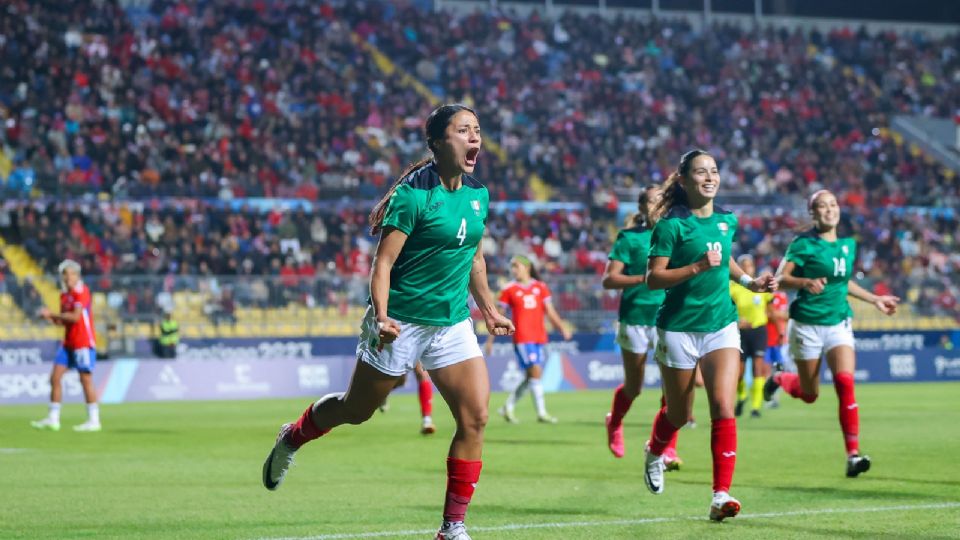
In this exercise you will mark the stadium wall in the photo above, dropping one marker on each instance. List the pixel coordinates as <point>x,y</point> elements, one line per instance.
<point>284,368</point>
<point>698,18</point>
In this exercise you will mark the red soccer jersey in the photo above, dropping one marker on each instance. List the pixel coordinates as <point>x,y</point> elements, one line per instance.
<point>527,305</point>
<point>78,335</point>
<point>776,328</point>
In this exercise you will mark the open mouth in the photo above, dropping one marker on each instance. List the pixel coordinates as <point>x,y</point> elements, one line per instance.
<point>472,154</point>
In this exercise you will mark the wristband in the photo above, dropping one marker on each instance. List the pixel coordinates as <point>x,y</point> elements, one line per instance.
<point>745,280</point>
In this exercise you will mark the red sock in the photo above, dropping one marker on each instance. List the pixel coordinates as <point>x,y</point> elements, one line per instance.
<point>621,404</point>
<point>462,477</point>
<point>723,442</point>
<point>849,412</point>
<point>304,430</point>
<point>426,398</point>
<point>790,382</point>
<point>663,433</point>
<point>672,445</point>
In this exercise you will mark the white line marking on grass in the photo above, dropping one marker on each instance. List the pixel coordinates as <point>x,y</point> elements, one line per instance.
<point>12,450</point>
<point>642,521</point>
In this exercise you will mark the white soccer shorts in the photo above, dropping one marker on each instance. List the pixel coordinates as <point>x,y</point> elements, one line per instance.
<point>636,338</point>
<point>682,350</point>
<point>810,341</point>
<point>434,346</point>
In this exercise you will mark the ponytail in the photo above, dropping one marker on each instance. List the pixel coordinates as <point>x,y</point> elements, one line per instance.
<point>673,192</point>
<point>640,218</point>
<point>378,212</point>
<point>433,131</point>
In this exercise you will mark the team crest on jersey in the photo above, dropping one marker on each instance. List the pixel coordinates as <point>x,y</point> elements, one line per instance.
<point>475,204</point>
<point>723,228</point>
<point>846,250</point>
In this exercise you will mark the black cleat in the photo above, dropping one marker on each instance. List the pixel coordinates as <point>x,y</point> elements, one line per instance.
<point>738,410</point>
<point>770,387</point>
<point>857,465</point>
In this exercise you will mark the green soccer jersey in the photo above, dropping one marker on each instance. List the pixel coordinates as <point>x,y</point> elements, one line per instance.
<point>638,304</point>
<point>701,303</point>
<point>428,283</point>
<point>814,257</point>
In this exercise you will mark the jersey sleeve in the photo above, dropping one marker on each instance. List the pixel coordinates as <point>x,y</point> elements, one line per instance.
<point>547,295</point>
<point>402,210</point>
<point>796,252</point>
<point>621,249</point>
<point>505,296</point>
<point>664,238</point>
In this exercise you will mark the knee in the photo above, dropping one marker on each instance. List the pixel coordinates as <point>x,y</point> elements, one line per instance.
<point>474,423</point>
<point>723,408</point>
<point>679,416</point>
<point>809,397</point>
<point>357,415</point>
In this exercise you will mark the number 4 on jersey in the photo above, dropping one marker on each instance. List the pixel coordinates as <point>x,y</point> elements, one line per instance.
<point>462,231</point>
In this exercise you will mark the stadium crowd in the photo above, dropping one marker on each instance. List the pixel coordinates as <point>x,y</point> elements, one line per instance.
<point>308,255</point>
<point>271,98</point>
<point>216,101</point>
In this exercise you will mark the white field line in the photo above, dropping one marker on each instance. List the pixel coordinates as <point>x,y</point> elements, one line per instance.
<point>568,524</point>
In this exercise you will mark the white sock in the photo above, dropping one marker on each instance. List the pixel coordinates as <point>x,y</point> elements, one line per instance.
<point>93,413</point>
<point>536,388</point>
<point>517,393</point>
<point>54,414</point>
<point>427,420</point>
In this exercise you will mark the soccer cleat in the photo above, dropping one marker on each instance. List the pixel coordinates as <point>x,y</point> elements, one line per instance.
<point>856,465</point>
<point>653,471</point>
<point>427,428</point>
<point>88,427</point>
<point>547,419</point>
<point>723,506</point>
<point>754,414</point>
<point>738,410</point>
<point>615,438</point>
<point>671,461</point>
<point>46,424</point>
<point>452,531</point>
<point>279,460</point>
<point>691,423</point>
<point>770,387</point>
<point>508,415</point>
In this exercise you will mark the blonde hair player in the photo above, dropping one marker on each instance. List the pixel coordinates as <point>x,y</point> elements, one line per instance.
<point>528,299</point>
<point>818,263</point>
<point>78,350</point>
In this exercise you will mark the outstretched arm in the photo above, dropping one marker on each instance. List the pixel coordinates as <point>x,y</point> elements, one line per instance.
<point>887,304</point>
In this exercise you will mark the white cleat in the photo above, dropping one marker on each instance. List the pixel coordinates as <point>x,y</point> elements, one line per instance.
<point>723,506</point>
<point>653,471</point>
<point>547,419</point>
<point>452,531</point>
<point>279,461</point>
<point>46,424</point>
<point>507,414</point>
<point>88,427</point>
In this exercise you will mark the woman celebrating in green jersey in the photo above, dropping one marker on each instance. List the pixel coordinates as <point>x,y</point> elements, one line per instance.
<point>697,324</point>
<point>429,257</point>
<point>637,331</point>
<point>819,264</point>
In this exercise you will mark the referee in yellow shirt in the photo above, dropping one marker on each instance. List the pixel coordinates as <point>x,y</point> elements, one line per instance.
<point>752,314</point>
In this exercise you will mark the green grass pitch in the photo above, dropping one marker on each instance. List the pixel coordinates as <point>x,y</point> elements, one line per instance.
<point>192,470</point>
